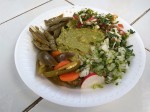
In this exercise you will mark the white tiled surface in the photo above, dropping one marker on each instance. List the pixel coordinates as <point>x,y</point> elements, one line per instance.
<point>15,96</point>
<point>11,8</point>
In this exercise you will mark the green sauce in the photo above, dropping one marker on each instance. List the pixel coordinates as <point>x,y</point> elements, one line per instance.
<point>78,40</point>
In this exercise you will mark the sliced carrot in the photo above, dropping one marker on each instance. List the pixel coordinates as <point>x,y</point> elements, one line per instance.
<point>55,53</point>
<point>71,76</point>
<point>61,64</point>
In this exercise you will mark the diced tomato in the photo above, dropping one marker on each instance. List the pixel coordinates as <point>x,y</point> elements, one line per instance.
<point>75,16</point>
<point>103,26</point>
<point>90,19</point>
<point>122,32</point>
<point>120,26</point>
<point>79,25</point>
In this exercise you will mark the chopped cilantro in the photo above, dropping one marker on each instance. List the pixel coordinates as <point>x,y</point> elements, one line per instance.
<point>131,31</point>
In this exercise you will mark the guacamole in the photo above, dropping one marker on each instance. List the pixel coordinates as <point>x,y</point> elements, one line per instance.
<point>78,40</point>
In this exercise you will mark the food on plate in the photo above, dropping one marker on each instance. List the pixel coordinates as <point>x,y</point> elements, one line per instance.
<point>92,80</point>
<point>87,50</point>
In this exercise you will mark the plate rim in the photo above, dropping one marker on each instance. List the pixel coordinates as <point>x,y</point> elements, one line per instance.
<point>68,7</point>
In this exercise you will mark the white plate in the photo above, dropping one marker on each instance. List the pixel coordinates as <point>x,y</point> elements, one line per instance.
<point>25,59</point>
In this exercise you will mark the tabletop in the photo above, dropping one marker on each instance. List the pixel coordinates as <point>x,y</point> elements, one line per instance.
<point>15,96</point>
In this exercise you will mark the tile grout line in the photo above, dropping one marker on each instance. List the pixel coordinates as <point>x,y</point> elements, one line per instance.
<point>145,12</point>
<point>32,104</point>
<point>147,49</point>
<point>26,11</point>
<point>139,19</point>
<point>69,2</point>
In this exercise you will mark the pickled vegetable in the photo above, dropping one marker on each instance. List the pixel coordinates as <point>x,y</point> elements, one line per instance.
<point>65,69</point>
<point>46,59</point>
<point>64,56</point>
